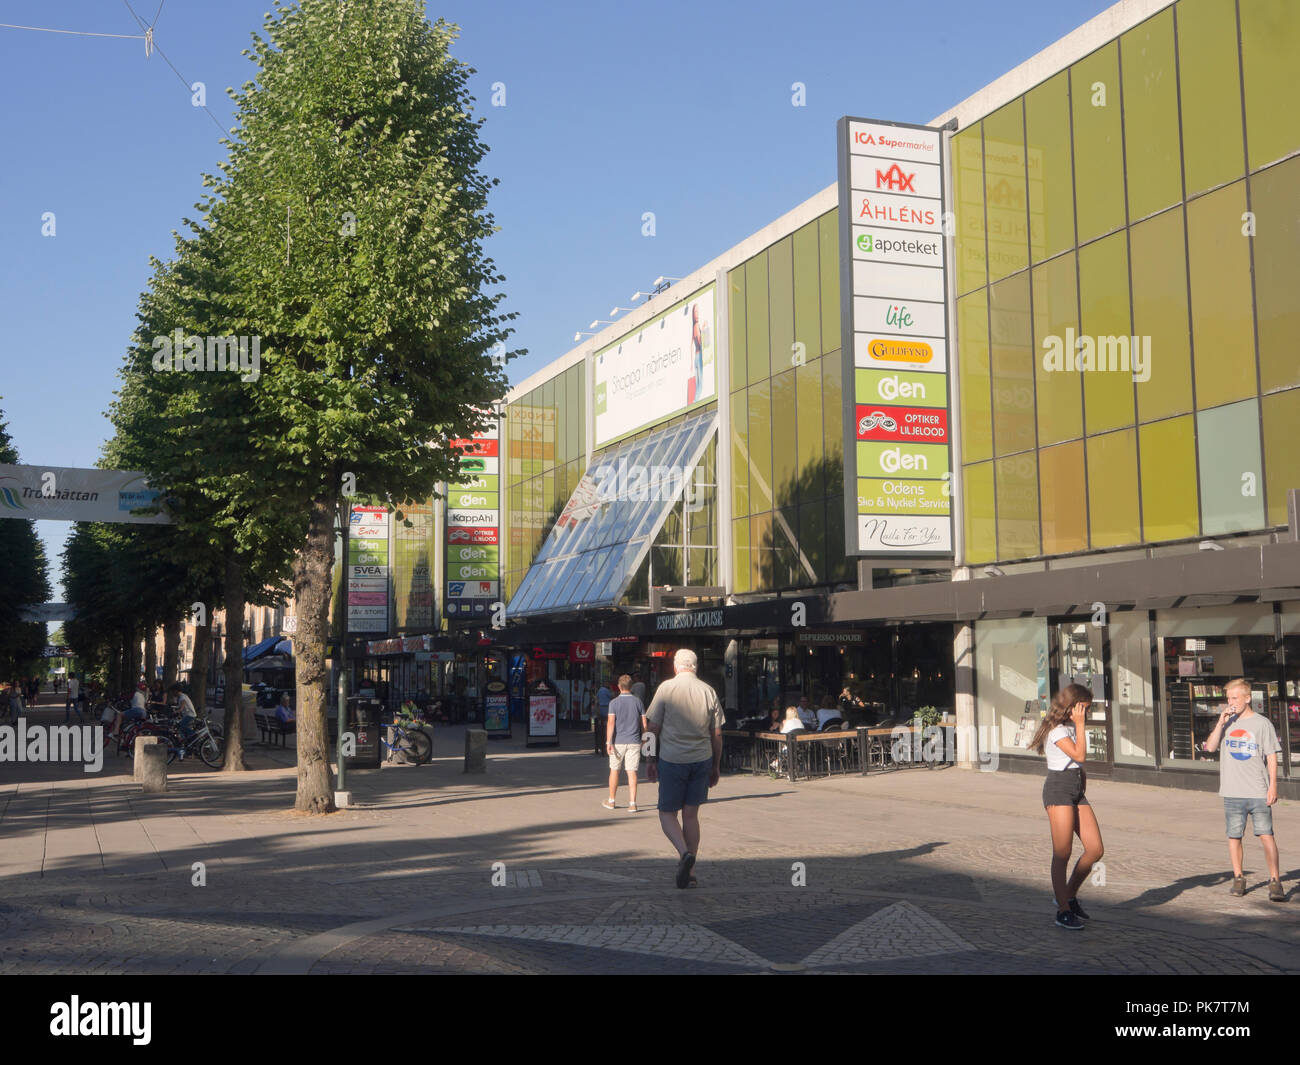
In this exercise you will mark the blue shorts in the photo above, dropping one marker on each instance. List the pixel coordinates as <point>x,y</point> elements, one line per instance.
<point>1235,811</point>
<point>683,784</point>
<point>134,714</point>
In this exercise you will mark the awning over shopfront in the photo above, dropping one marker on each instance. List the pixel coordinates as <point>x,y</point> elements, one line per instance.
<point>612,518</point>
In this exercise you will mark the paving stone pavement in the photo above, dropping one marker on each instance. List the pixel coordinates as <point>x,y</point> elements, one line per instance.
<point>521,871</point>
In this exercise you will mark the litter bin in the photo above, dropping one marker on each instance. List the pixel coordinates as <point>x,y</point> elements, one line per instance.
<point>363,722</point>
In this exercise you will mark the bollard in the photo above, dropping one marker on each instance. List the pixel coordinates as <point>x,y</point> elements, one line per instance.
<point>151,764</point>
<point>476,750</point>
<point>141,742</point>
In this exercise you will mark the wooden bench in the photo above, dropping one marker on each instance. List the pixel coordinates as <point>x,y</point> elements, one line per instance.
<point>269,726</point>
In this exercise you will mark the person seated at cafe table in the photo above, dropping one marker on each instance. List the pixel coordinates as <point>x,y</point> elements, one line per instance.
<point>828,712</point>
<point>793,722</point>
<point>775,717</point>
<point>806,712</point>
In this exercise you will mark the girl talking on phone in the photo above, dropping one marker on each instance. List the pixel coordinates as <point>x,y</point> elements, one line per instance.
<point>1061,737</point>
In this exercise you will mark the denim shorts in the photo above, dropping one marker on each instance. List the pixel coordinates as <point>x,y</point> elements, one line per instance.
<point>1065,787</point>
<point>1235,811</point>
<point>683,784</point>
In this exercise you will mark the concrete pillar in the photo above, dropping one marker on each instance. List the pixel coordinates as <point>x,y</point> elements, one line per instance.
<point>731,656</point>
<point>476,750</point>
<point>151,763</point>
<point>963,664</point>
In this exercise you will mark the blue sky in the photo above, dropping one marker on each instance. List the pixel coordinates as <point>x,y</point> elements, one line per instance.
<point>611,110</point>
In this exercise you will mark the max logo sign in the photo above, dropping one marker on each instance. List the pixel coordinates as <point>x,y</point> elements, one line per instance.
<point>894,178</point>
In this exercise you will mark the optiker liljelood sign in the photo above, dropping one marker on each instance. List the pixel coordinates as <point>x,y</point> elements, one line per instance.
<point>894,289</point>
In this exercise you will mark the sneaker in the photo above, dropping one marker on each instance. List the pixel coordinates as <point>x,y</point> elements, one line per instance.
<point>631,807</point>
<point>1275,892</point>
<point>1077,910</point>
<point>608,805</point>
<point>1066,919</point>
<point>1238,886</point>
<point>684,869</point>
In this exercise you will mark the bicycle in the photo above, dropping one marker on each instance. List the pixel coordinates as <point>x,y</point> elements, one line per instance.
<point>202,741</point>
<point>410,742</point>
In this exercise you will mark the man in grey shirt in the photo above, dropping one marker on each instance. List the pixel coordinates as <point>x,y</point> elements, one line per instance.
<point>686,719</point>
<point>1247,782</point>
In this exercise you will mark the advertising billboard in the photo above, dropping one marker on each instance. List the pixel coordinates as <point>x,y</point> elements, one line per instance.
<point>369,571</point>
<point>62,493</point>
<point>894,287</point>
<point>472,565</point>
<point>667,366</point>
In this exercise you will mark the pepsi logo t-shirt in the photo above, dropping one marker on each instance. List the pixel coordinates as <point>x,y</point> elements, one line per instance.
<point>1243,757</point>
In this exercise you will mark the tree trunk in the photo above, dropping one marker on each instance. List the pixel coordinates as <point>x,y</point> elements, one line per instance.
<point>115,679</point>
<point>234,723</point>
<point>199,665</point>
<point>311,589</point>
<point>171,648</point>
<point>150,653</point>
<point>131,663</point>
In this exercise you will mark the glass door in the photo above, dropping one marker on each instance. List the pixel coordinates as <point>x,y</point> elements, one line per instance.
<point>1079,656</point>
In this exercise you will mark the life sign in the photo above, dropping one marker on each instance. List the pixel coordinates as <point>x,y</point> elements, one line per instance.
<point>893,304</point>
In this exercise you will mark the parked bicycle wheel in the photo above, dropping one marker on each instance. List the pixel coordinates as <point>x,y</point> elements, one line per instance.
<point>418,746</point>
<point>210,750</point>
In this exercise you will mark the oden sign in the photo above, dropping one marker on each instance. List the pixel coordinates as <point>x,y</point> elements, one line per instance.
<point>893,277</point>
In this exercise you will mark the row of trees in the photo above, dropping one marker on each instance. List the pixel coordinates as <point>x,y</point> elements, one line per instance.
<point>23,583</point>
<point>344,235</point>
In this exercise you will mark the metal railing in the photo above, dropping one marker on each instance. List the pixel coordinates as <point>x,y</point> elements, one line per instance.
<point>804,754</point>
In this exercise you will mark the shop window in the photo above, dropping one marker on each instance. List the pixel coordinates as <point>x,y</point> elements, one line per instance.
<point>1098,151</point>
<point>1231,475</point>
<point>1210,87</point>
<point>1170,506</point>
<point>1159,266</point>
<point>969,250</point>
<point>1012,365</point>
<point>1011,680</point>
<point>1064,503</point>
<point>1056,320</point>
<point>1106,323</point>
<point>973,376</point>
<point>1288,707</point>
<point>1281,456</point>
<point>979,513</point>
<point>1223,331</point>
<point>1005,199</point>
<point>1153,154</point>
<point>1199,652</point>
<point>1050,167</point>
<point>1017,503</point>
<point>756,321</point>
<point>1276,205</point>
<point>1113,489</point>
<point>829,248</point>
<point>1270,42</point>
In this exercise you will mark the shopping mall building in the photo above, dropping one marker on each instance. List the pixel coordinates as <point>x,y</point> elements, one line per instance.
<point>1050,338</point>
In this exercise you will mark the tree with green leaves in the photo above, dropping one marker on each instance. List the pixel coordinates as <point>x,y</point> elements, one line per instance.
<point>348,225</point>
<point>24,582</point>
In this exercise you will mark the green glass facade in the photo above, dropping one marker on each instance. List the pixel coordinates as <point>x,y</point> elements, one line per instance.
<point>1144,201</point>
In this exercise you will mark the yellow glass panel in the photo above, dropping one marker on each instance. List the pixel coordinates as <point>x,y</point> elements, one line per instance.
<point>1012,365</point>
<point>973,360</point>
<point>1056,323</point>
<point>1105,325</point>
<point>743,575</point>
<point>1051,167</point>
<point>969,252</point>
<point>812,448</point>
<point>979,513</point>
<point>1151,141</point>
<point>1157,247</point>
<point>807,292</point>
<point>1098,151</point>
<point>1274,199</point>
<point>1210,83</point>
<point>739,453</point>
<point>736,330</point>
<point>833,415</point>
<point>1281,414</point>
<point>1223,334</point>
<point>1061,498</point>
<point>756,331</point>
<point>1170,504</point>
<point>780,294</point>
<point>829,250</point>
<point>1017,496</point>
<point>760,446</point>
<point>1113,489</point>
<point>1270,44</point>
<point>1004,190</point>
<point>762,552</point>
<point>785,457</point>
